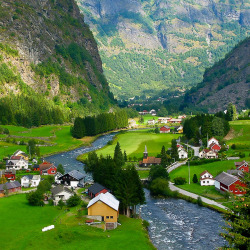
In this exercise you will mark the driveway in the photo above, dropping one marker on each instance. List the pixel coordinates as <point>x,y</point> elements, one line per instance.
<point>196,149</point>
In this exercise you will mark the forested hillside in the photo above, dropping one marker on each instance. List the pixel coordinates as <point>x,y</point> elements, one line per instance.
<point>148,46</point>
<point>50,68</point>
<point>227,81</point>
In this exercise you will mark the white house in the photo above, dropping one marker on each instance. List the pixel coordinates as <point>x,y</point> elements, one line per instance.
<point>61,193</point>
<point>208,154</point>
<point>206,179</point>
<point>17,163</point>
<point>30,180</point>
<point>73,179</point>
<point>151,122</point>
<point>182,153</point>
<point>163,120</point>
<point>57,176</point>
<point>211,141</point>
<point>152,112</point>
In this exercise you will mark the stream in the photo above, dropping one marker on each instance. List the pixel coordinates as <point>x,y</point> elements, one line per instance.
<point>174,223</point>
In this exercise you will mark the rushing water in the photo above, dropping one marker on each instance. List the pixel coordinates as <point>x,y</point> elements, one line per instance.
<point>174,223</point>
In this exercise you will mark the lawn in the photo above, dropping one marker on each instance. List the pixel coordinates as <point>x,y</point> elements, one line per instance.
<point>22,229</point>
<point>58,138</point>
<point>214,168</point>
<point>134,143</point>
<point>143,174</point>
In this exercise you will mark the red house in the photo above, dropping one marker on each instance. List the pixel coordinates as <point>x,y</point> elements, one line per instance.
<point>36,168</point>
<point>96,189</point>
<point>225,182</point>
<point>47,168</point>
<point>243,166</point>
<point>215,147</point>
<point>12,187</point>
<point>9,174</point>
<point>165,129</point>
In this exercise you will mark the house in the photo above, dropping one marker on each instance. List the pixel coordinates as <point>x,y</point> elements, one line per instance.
<point>144,112</point>
<point>57,176</point>
<point>243,166</point>
<point>163,120</point>
<point>47,168</point>
<point>215,147</point>
<point>151,122</point>
<point>225,182</point>
<point>36,168</point>
<point>73,179</point>
<point>96,189</point>
<point>236,172</point>
<point>10,174</point>
<point>21,153</point>
<point>132,124</point>
<point>182,153</point>
<point>181,116</point>
<point>208,154</point>
<point>211,141</point>
<point>107,207</point>
<point>12,187</point>
<point>30,180</point>
<point>165,129</point>
<point>17,163</point>
<point>149,161</point>
<point>206,179</point>
<point>61,193</point>
<point>152,112</point>
<point>180,130</point>
<point>173,120</point>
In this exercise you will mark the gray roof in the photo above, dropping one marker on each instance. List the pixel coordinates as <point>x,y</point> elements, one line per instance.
<point>226,179</point>
<point>76,174</point>
<point>28,176</point>
<point>58,189</point>
<point>96,188</point>
<point>12,171</point>
<point>236,172</point>
<point>10,185</point>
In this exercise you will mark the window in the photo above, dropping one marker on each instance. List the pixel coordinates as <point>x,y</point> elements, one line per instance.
<point>111,217</point>
<point>207,181</point>
<point>107,217</point>
<point>203,181</point>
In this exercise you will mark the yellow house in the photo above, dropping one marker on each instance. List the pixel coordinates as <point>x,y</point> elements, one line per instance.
<point>180,130</point>
<point>106,206</point>
<point>21,153</point>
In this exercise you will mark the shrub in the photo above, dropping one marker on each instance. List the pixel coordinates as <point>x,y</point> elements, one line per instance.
<point>199,201</point>
<point>73,201</point>
<point>145,224</point>
<point>242,155</point>
<point>35,198</point>
<point>195,179</point>
<point>233,146</point>
<point>179,180</point>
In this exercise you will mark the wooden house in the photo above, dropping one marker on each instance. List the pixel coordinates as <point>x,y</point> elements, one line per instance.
<point>107,207</point>
<point>11,187</point>
<point>9,174</point>
<point>206,179</point>
<point>165,129</point>
<point>96,189</point>
<point>73,179</point>
<point>47,168</point>
<point>243,166</point>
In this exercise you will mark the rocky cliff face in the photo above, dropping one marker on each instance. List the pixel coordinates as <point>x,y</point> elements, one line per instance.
<point>227,81</point>
<point>57,55</point>
<point>176,39</point>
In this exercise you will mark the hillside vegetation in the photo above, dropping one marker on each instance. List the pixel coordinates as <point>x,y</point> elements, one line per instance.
<point>49,64</point>
<point>148,46</point>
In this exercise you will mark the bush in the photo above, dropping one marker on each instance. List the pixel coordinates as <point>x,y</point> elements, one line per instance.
<point>195,179</point>
<point>180,181</point>
<point>242,155</point>
<point>199,201</point>
<point>159,187</point>
<point>73,201</point>
<point>145,224</point>
<point>233,146</point>
<point>35,198</point>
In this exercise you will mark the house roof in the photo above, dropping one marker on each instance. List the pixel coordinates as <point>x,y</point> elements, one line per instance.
<point>204,172</point>
<point>236,172</point>
<point>165,128</point>
<point>10,185</point>
<point>226,179</point>
<point>237,164</point>
<point>58,189</point>
<point>46,165</point>
<point>151,160</point>
<point>18,157</point>
<point>106,198</point>
<point>28,176</point>
<point>96,188</point>
<point>76,174</point>
<point>7,171</point>
<point>213,138</point>
<point>215,145</point>
<point>36,166</point>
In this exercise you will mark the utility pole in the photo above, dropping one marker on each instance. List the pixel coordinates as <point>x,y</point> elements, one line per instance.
<point>188,173</point>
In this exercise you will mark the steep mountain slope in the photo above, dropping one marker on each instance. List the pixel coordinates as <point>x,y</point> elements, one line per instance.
<point>47,51</point>
<point>147,46</point>
<point>227,81</point>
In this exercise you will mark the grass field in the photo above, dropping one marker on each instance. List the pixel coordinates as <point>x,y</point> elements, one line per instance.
<point>57,137</point>
<point>134,143</point>
<point>22,229</point>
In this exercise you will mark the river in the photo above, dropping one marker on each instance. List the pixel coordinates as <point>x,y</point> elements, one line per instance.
<point>174,223</point>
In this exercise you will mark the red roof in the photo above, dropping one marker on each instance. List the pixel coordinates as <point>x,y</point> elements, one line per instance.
<point>204,172</point>
<point>164,128</point>
<point>16,157</point>
<point>237,164</point>
<point>215,146</point>
<point>151,160</point>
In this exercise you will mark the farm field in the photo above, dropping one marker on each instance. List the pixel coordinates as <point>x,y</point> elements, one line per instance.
<point>133,142</point>
<point>23,229</point>
<point>52,138</point>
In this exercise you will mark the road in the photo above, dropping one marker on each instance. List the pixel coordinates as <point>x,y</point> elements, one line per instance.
<point>196,149</point>
<point>195,196</point>
<point>175,165</point>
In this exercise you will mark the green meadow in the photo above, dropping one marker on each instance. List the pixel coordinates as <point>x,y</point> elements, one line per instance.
<point>22,229</point>
<point>52,138</point>
<point>133,142</point>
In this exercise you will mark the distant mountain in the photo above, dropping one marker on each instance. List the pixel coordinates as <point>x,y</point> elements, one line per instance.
<point>48,53</point>
<point>148,46</point>
<point>227,81</point>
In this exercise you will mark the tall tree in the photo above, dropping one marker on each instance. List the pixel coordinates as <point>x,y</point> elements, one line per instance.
<point>174,150</point>
<point>231,112</point>
<point>118,156</point>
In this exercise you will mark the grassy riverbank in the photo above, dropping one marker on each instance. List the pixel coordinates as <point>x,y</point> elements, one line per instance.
<point>134,143</point>
<point>22,229</point>
<point>52,138</point>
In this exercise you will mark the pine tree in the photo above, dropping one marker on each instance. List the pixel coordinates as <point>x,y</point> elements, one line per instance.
<point>174,150</point>
<point>118,156</point>
<point>164,158</point>
<point>195,179</point>
<point>125,156</point>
